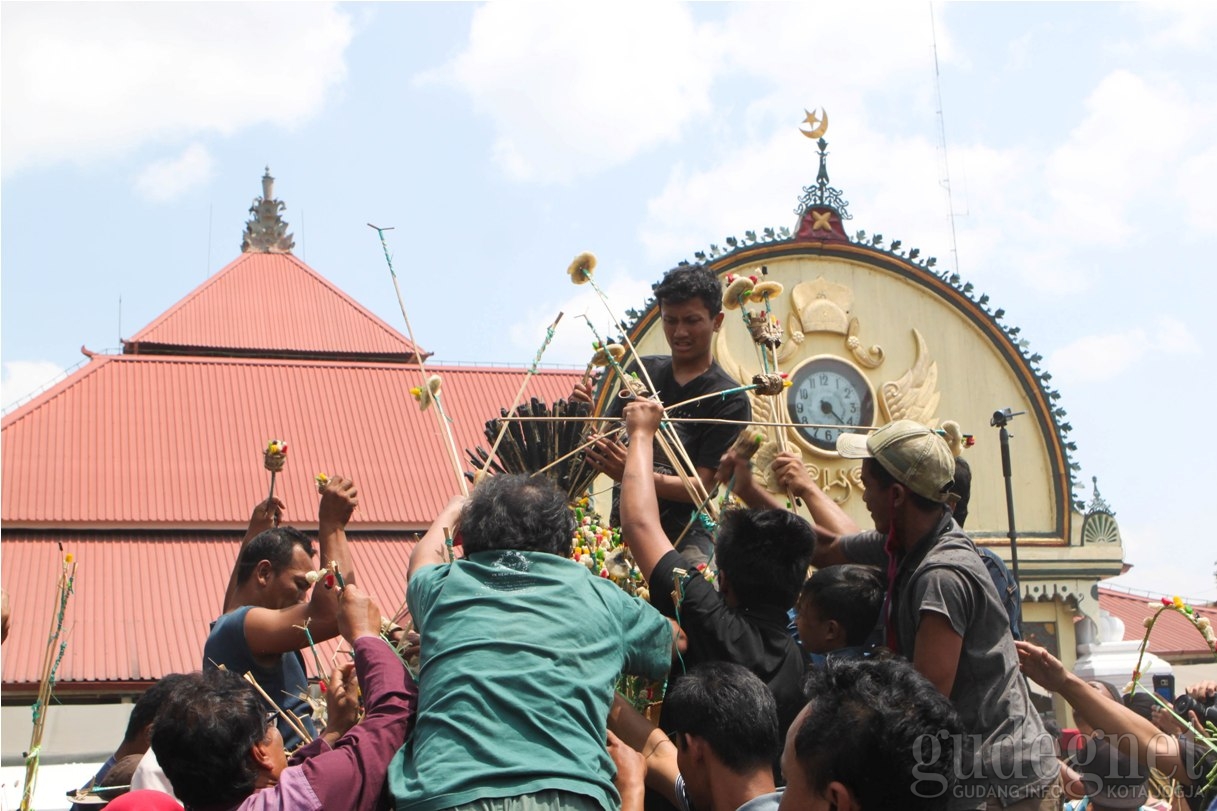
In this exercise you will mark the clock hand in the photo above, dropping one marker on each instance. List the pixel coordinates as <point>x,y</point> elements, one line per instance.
<point>826,408</point>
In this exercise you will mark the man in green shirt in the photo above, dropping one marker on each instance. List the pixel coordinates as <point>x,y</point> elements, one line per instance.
<point>521,647</point>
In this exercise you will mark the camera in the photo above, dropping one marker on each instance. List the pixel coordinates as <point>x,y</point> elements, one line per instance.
<point>1205,710</point>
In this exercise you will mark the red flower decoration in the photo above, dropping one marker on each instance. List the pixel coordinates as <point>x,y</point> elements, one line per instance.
<point>329,581</point>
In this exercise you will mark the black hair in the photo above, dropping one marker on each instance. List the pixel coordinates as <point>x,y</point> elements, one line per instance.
<point>961,486</point>
<point>203,734</point>
<point>886,479</point>
<point>732,709</point>
<point>147,705</point>
<point>869,711</point>
<point>689,282</point>
<point>1142,704</point>
<point>526,513</point>
<point>851,594</point>
<point>764,555</point>
<point>275,545</point>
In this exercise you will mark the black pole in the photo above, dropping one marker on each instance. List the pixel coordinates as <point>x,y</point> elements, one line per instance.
<point>1005,469</point>
<point>1000,420</point>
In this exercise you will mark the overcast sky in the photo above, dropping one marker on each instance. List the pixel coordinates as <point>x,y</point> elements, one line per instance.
<point>501,140</point>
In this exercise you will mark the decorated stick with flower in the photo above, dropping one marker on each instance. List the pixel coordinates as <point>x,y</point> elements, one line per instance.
<point>580,271</point>
<point>766,332</point>
<point>56,646</point>
<point>328,577</point>
<point>1204,626</point>
<point>1179,606</point>
<point>444,422</point>
<point>602,356</point>
<point>274,457</point>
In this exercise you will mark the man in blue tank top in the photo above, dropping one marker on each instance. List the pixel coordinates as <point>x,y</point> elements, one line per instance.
<point>267,603</point>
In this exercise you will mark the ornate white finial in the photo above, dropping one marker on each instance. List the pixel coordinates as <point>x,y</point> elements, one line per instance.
<point>266,232</point>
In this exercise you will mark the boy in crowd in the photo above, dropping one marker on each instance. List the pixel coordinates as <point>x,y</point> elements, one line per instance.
<point>725,740</point>
<point>838,610</point>
<point>876,736</point>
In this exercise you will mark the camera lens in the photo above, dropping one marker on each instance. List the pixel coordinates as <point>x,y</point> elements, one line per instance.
<point>1206,711</point>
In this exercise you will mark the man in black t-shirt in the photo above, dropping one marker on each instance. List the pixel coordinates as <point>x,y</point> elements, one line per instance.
<point>691,309</point>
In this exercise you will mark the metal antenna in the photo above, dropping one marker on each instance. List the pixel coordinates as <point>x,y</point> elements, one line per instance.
<point>942,140</point>
<point>210,206</point>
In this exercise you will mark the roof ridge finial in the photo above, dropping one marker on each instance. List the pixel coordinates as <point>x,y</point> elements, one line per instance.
<point>821,209</point>
<point>821,194</point>
<point>1098,504</point>
<point>266,232</point>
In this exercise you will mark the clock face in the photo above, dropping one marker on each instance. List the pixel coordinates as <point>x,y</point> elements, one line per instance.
<point>827,396</point>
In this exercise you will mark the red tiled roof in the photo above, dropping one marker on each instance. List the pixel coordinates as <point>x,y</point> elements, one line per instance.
<point>271,304</point>
<point>154,441</point>
<point>1172,635</point>
<point>143,602</point>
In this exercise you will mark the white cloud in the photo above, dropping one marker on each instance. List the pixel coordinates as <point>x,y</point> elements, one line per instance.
<point>1098,358</point>
<point>21,378</point>
<point>574,88</point>
<point>1184,23</point>
<point>1027,212</point>
<point>166,179</point>
<point>91,80</point>
<point>1135,127</point>
<point>821,48</point>
<point>1167,555</point>
<point>572,343</point>
<point>1195,181</point>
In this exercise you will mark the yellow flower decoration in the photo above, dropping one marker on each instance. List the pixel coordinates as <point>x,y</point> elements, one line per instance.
<point>69,558</point>
<point>601,358</point>
<point>322,480</point>
<point>580,270</point>
<point>738,289</point>
<point>766,290</point>
<point>425,396</point>
<point>275,455</point>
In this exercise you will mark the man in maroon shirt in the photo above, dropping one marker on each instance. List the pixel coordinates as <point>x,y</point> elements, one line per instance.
<point>214,741</point>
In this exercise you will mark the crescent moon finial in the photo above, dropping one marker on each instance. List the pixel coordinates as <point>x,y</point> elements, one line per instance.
<point>819,125</point>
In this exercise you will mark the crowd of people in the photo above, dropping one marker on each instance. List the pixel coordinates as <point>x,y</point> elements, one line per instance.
<point>888,678</point>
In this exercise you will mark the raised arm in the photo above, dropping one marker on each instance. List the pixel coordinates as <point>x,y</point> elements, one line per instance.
<point>640,526</point>
<point>736,471</point>
<point>339,498</point>
<point>432,548</point>
<point>266,514</point>
<point>827,518</point>
<point>353,774</point>
<point>1135,736</point>
<point>269,631</point>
